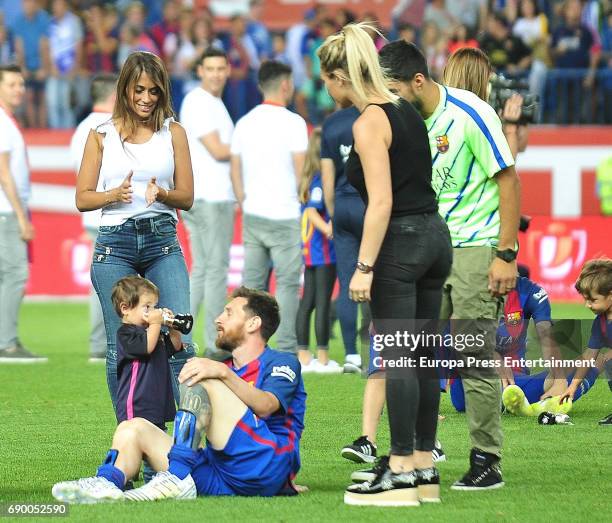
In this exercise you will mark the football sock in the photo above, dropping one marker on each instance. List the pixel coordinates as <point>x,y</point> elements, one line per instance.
<point>182,460</point>
<point>110,472</point>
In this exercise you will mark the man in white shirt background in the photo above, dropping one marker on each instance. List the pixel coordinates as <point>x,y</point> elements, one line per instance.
<point>15,226</point>
<point>103,94</point>
<point>210,221</point>
<point>268,150</point>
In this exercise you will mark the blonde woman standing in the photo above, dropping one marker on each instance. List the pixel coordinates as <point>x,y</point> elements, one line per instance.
<point>404,258</point>
<point>142,160</point>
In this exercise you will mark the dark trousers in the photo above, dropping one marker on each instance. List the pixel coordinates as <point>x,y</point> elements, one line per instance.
<point>414,261</point>
<point>348,227</point>
<point>318,286</point>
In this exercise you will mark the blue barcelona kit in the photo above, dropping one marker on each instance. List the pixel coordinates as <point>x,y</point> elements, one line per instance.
<point>528,300</point>
<point>262,454</point>
<point>601,333</point>
<point>317,249</point>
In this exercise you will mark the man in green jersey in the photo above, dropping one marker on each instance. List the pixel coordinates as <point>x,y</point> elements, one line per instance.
<point>479,197</point>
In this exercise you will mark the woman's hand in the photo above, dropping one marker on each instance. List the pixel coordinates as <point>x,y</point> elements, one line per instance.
<point>123,193</point>
<point>153,191</point>
<point>360,286</point>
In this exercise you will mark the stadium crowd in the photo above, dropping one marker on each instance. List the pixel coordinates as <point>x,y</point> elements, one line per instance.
<point>61,44</point>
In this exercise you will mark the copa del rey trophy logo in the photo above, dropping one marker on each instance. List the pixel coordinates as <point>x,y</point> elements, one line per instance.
<point>559,250</point>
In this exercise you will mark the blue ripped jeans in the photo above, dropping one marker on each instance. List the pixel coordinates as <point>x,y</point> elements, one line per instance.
<point>148,247</point>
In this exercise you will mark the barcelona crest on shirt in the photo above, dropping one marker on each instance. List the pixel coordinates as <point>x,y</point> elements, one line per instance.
<point>514,318</point>
<point>442,143</point>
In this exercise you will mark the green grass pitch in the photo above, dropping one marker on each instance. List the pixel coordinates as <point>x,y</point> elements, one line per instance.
<point>57,422</point>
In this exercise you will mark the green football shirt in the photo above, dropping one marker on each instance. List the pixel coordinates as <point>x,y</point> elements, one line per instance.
<point>468,148</point>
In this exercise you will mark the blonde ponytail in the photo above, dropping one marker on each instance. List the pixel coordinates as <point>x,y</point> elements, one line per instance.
<point>351,54</point>
<point>312,164</point>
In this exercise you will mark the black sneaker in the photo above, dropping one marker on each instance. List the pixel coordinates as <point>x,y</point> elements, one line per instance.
<point>360,476</point>
<point>606,421</point>
<point>484,474</point>
<point>437,453</point>
<point>386,490</point>
<point>361,451</point>
<point>428,485</point>
<point>19,354</point>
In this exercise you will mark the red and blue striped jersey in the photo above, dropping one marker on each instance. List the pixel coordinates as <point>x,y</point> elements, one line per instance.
<point>528,300</point>
<point>279,373</point>
<point>317,249</point>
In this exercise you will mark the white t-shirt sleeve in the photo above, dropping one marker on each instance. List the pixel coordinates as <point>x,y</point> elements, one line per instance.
<point>299,137</point>
<point>199,116</point>
<point>236,146</point>
<point>5,145</point>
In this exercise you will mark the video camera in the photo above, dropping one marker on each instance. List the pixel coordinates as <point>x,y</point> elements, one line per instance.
<point>503,88</point>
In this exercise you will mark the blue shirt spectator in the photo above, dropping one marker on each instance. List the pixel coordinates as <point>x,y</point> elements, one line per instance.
<point>7,48</point>
<point>29,30</point>
<point>572,41</point>
<point>258,31</point>
<point>11,10</point>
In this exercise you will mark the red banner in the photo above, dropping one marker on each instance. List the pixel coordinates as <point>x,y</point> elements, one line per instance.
<point>555,250</point>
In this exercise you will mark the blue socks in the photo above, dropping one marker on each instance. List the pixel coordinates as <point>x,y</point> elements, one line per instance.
<point>110,472</point>
<point>182,460</point>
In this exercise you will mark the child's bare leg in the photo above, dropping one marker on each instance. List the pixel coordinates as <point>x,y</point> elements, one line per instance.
<point>138,438</point>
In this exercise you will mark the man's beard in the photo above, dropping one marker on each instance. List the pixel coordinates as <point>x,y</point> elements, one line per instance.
<point>417,104</point>
<point>228,341</point>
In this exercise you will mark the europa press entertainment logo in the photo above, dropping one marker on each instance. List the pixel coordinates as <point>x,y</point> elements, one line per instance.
<point>559,249</point>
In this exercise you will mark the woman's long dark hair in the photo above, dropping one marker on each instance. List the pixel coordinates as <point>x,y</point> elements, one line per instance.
<point>123,114</point>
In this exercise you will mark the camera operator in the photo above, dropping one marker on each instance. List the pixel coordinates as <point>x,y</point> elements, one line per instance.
<point>470,69</point>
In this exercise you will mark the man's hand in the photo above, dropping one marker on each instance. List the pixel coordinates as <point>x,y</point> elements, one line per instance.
<point>567,395</point>
<point>26,230</point>
<point>502,277</point>
<point>512,109</point>
<point>198,369</point>
<point>558,388</point>
<point>506,375</point>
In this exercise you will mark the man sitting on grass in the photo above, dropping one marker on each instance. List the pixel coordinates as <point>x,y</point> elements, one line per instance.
<point>250,410</point>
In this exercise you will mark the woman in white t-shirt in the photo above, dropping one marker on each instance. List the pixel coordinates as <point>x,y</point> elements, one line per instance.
<point>532,27</point>
<point>142,159</point>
